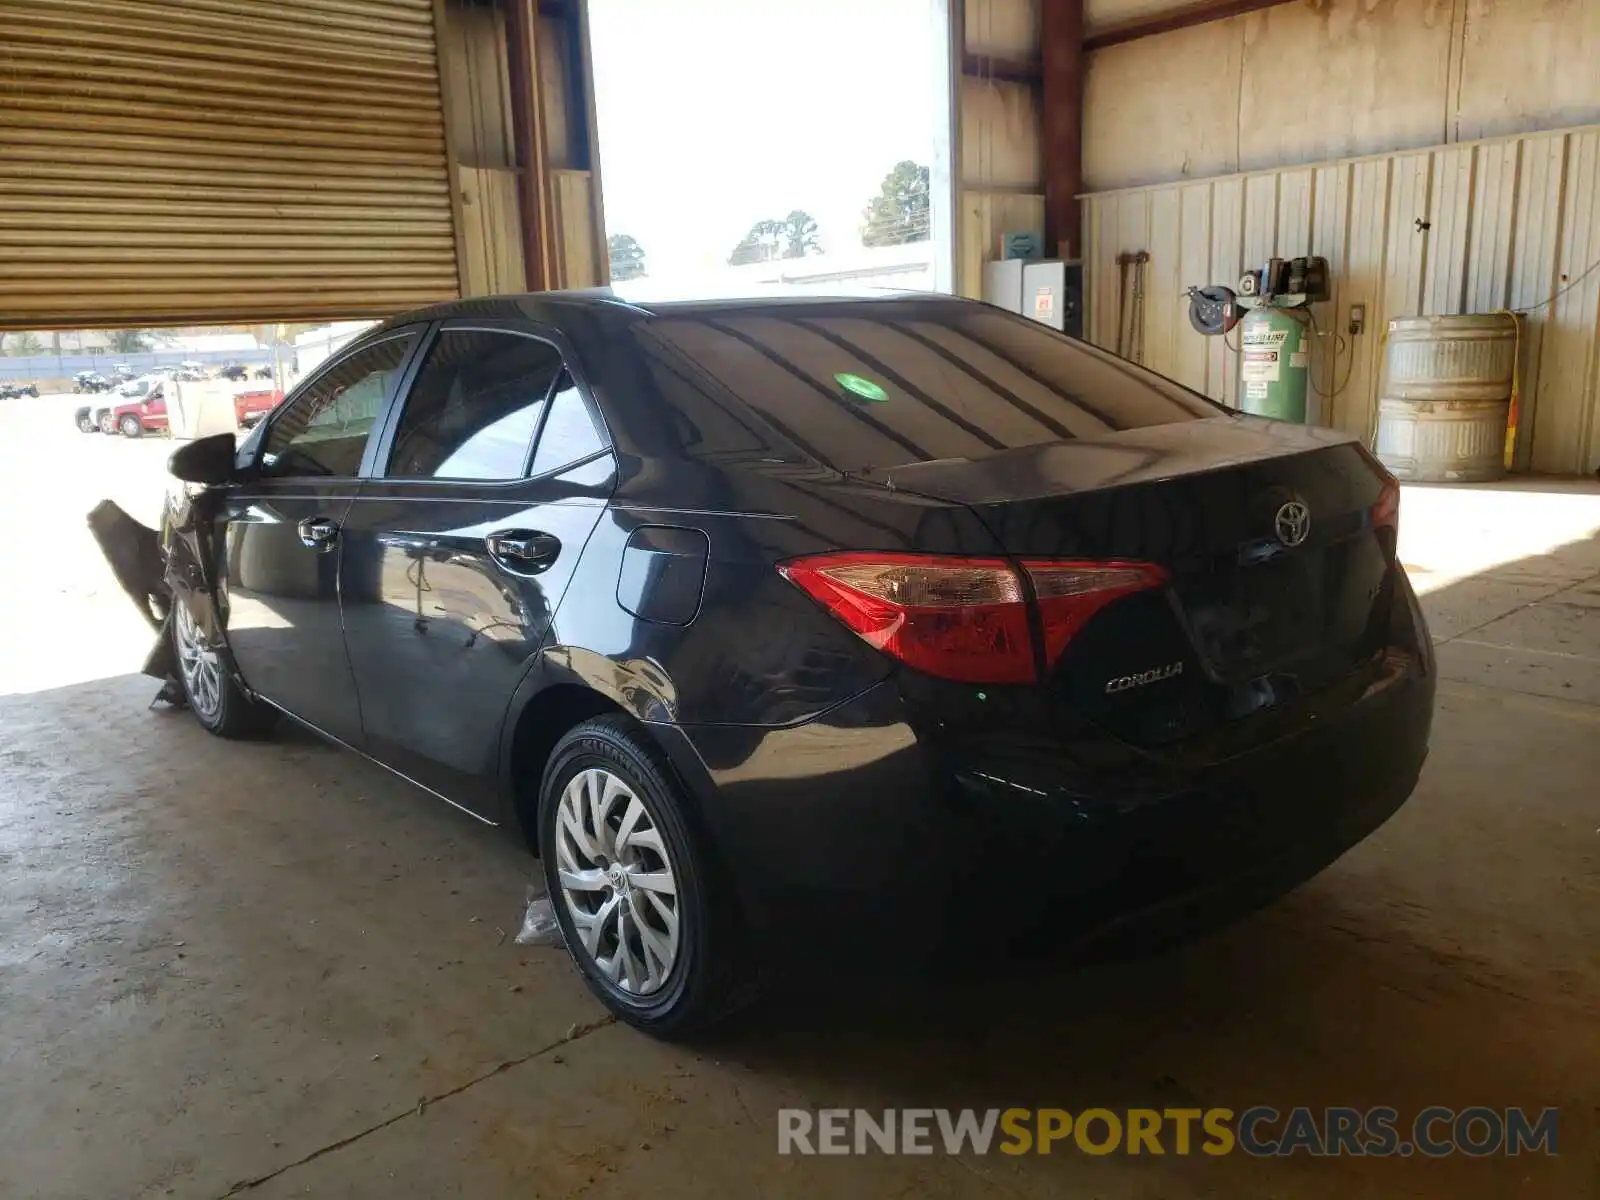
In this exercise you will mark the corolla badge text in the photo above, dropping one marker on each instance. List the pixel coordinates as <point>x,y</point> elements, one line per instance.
<point>1126,683</point>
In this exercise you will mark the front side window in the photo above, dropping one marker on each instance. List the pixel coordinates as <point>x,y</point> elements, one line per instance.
<point>475,405</point>
<point>324,429</point>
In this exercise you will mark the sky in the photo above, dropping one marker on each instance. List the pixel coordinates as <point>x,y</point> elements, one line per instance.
<point>715,114</point>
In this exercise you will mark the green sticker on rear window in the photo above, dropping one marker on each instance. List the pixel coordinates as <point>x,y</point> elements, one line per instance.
<point>862,387</point>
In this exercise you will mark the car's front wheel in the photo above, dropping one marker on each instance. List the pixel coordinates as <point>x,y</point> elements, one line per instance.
<point>217,702</point>
<point>131,427</point>
<point>107,425</point>
<point>85,423</point>
<point>634,890</point>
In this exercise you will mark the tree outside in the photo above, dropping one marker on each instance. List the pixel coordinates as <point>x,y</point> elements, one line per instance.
<point>899,213</point>
<point>793,237</point>
<point>627,257</point>
<point>761,244</point>
<point>800,235</point>
<point>128,341</point>
<point>23,344</point>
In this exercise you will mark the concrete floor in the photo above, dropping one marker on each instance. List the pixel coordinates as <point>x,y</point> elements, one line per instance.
<point>270,968</point>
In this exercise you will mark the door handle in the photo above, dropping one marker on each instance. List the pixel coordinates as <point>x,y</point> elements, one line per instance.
<point>523,551</point>
<point>319,533</point>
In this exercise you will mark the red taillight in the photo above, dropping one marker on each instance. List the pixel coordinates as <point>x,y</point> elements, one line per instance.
<point>964,618</point>
<point>1385,512</point>
<point>1072,592</point>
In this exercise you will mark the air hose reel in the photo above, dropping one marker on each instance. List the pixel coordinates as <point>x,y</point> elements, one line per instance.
<point>1213,310</point>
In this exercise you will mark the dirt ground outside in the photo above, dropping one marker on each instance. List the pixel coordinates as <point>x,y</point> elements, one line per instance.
<point>271,968</point>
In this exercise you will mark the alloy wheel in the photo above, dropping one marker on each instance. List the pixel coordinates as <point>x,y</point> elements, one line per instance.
<point>201,668</point>
<point>617,881</point>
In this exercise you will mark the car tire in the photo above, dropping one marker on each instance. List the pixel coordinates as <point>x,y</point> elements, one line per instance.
<point>620,934</point>
<point>131,427</point>
<point>107,425</point>
<point>86,424</point>
<point>216,699</point>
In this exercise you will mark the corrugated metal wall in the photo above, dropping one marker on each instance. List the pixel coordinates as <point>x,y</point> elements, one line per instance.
<point>1472,227</point>
<point>216,160</point>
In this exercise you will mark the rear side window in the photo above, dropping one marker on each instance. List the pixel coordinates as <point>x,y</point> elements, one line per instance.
<point>568,434</point>
<point>474,407</point>
<point>862,387</point>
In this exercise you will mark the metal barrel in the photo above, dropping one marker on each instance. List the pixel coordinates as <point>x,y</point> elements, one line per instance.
<point>1446,396</point>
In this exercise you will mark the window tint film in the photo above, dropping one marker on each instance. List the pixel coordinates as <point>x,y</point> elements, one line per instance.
<point>473,409</point>
<point>323,430</point>
<point>568,434</point>
<point>861,387</point>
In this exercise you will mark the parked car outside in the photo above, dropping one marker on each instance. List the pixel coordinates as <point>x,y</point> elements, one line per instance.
<point>96,418</point>
<point>782,620</point>
<point>235,372</point>
<point>123,372</point>
<point>253,404</point>
<point>145,411</point>
<point>13,391</point>
<point>90,381</point>
<point>138,406</point>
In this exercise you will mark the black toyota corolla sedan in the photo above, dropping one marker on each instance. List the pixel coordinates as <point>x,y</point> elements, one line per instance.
<point>761,620</point>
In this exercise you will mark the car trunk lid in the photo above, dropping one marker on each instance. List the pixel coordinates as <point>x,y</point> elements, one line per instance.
<point>1277,570</point>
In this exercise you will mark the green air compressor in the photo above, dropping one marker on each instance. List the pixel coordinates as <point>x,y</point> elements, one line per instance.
<point>1271,309</point>
<point>1274,362</point>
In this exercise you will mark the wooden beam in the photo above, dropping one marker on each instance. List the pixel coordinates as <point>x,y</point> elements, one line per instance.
<point>1061,123</point>
<point>453,152</point>
<point>1201,13</point>
<point>1007,70</point>
<point>527,131</point>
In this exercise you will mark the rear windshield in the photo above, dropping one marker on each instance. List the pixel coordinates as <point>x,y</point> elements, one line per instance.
<point>909,384</point>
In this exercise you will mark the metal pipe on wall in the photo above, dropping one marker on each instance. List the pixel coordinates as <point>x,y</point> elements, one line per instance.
<point>1061,124</point>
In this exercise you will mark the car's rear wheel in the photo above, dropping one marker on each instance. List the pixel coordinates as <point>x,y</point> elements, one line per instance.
<point>634,889</point>
<point>217,702</point>
<point>131,427</point>
<point>107,425</point>
<point>85,423</point>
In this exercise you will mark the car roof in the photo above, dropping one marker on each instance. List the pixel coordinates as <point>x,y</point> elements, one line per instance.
<point>554,308</point>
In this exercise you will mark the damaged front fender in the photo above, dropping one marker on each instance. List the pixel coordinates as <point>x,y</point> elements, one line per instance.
<point>159,569</point>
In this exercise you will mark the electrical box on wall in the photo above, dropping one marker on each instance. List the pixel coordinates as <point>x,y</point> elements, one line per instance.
<point>1052,294</point>
<point>1002,283</point>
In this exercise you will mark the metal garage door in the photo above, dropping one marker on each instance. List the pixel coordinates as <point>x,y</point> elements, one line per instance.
<point>198,161</point>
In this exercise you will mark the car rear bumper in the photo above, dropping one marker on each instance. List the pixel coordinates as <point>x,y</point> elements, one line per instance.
<point>860,815</point>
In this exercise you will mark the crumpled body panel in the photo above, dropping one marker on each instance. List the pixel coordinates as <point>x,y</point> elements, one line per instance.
<point>158,569</point>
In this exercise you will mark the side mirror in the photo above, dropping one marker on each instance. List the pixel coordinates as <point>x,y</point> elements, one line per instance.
<point>204,460</point>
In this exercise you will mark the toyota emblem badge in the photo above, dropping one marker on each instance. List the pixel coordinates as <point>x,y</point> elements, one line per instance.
<point>1293,523</point>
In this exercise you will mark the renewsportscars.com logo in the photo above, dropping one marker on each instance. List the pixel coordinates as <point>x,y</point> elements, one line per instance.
<point>1261,1131</point>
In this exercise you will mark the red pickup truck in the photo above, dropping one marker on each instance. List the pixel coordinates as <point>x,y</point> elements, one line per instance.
<point>149,413</point>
